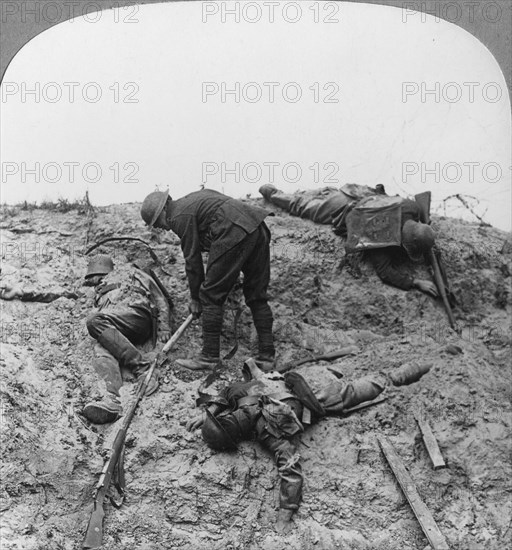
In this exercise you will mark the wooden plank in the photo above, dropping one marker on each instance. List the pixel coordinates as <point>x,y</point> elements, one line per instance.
<point>422,513</point>
<point>430,442</point>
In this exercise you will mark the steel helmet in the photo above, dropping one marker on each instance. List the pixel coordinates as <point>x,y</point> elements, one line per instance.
<point>101,264</point>
<point>215,435</point>
<point>417,238</point>
<point>152,206</point>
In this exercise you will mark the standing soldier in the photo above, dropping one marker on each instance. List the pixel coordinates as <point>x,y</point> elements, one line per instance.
<point>237,240</point>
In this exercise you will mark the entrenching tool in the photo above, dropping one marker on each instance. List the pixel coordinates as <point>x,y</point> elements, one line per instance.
<point>94,534</point>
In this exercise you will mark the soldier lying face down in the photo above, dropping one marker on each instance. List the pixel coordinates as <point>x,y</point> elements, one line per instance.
<point>390,230</point>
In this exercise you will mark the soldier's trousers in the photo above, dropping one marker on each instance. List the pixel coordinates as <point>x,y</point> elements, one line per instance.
<point>248,419</point>
<point>319,205</point>
<point>251,257</point>
<point>288,465</point>
<point>117,331</point>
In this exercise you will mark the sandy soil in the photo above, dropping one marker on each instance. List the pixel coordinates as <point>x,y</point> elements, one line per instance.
<point>183,495</point>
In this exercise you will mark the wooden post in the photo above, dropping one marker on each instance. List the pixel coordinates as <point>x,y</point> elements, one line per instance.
<point>430,442</point>
<point>422,513</point>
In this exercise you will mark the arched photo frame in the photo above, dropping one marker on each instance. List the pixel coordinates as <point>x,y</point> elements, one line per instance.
<point>488,20</point>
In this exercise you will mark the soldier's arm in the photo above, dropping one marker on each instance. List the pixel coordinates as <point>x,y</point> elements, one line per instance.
<point>383,264</point>
<point>160,301</point>
<point>197,421</point>
<point>8,292</point>
<point>191,247</point>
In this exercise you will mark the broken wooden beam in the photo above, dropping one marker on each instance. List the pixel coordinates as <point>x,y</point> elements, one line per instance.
<point>422,513</point>
<point>430,442</point>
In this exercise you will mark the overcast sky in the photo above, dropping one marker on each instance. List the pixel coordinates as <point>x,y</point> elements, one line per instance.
<point>133,99</point>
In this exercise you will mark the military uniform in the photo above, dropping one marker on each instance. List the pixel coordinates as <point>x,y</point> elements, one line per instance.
<point>276,409</point>
<point>237,240</point>
<point>131,310</point>
<point>330,206</point>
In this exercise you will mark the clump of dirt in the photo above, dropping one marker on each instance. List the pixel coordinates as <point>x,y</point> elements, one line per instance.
<point>183,495</point>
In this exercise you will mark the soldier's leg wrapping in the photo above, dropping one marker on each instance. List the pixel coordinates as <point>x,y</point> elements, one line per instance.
<point>256,272</point>
<point>288,465</point>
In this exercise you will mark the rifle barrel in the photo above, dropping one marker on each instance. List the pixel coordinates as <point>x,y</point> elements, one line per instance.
<point>440,286</point>
<point>94,535</point>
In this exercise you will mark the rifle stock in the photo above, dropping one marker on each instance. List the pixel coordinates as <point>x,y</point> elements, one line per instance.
<point>94,534</point>
<point>423,200</point>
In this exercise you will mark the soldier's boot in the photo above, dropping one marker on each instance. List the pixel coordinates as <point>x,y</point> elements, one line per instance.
<point>267,190</point>
<point>108,408</point>
<point>263,322</point>
<point>128,356</point>
<point>209,359</point>
<point>408,373</point>
<point>277,197</point>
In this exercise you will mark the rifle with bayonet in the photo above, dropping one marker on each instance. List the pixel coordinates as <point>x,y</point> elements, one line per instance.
<point>423,200</point>
<point>94,536</point>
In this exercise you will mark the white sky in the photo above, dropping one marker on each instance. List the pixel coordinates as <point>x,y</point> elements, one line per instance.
<point>373,134</point>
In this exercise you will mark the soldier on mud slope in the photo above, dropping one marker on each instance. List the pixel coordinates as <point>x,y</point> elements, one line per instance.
<point>332,206</point>
<point>131,309</point>
<point>237,240</point>
<point>276,408</point>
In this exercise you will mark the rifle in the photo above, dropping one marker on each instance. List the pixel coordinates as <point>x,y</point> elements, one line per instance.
<point>348,350</point>
<point>94,534</point>
<point>423,200</point>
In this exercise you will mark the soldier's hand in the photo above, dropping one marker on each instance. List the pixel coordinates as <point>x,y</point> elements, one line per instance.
<point>163,336</point>
<point>195,423</point>
<point>8,292</point>
<point>195,308</point>
<point>427,287</point>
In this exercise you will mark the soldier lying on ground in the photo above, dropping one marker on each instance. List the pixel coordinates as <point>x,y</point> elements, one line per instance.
<point>331,206</point>
<point>237,240</point>
<point>276,408</point>
<point>131,309</point>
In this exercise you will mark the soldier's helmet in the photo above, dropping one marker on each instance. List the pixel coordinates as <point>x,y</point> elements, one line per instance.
<point>417,239</point>
<point>215,435</point>
<point>152,206</point>
<point>101,264</point>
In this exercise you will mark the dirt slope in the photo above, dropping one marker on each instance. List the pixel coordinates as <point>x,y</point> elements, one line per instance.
<point>181,494</point>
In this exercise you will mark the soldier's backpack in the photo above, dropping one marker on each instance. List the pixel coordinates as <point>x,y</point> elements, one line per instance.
<point>374,222</point>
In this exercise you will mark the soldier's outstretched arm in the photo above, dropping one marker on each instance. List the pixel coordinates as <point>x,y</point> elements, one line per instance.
<point>9,292</point>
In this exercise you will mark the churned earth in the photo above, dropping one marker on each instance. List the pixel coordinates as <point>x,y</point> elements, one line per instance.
<point>180,494</point>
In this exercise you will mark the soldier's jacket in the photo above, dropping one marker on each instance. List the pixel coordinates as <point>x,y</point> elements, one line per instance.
<point>132,287</point>
<point>271,395</point>
<point>210,221</point>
